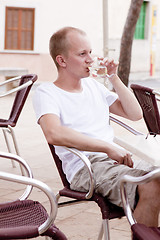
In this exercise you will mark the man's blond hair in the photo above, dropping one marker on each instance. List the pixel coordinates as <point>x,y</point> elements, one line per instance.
<point>59,43</point>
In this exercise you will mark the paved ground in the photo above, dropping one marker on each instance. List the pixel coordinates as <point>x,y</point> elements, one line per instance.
<point>77,222</point>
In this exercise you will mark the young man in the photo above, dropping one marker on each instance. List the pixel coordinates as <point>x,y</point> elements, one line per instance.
<point>73,111</point>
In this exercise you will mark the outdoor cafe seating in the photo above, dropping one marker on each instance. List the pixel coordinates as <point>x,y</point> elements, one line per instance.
<point>25,218</point>
<point>147,99</point>
<point>21,91</point>
<point>140,231</point>
<point>108,210</point>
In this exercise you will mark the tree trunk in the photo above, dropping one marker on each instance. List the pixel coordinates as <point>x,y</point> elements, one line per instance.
<point>127,39</point>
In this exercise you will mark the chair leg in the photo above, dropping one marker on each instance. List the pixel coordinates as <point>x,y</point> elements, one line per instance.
<point>104,230</point>
<point>57,197</point>
<point>14,140</point>
<point>8,145</point>
<point>11,131</point>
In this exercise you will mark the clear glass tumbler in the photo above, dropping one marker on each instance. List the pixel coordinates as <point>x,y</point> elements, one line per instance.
<point>99,71</point>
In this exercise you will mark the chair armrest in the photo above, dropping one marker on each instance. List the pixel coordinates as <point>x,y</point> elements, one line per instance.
<point>140,180</point>
<point>126,143</point>
<point>43,187</point>
<point>130,129</point>
<point>157,95</point>
<point>89,168</point>
<point>10,80</point>
<point>16,88</point>
<point>21,161</point>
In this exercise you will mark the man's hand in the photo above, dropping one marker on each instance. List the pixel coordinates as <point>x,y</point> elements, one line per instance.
<point>122,156</point>
<point>111,66</point>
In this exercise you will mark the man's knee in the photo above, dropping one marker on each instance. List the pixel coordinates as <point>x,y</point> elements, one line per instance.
<point>150,191</point>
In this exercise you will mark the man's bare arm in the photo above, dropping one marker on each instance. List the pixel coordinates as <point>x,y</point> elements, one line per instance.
<point>127,105</point>
<point>59,135</point>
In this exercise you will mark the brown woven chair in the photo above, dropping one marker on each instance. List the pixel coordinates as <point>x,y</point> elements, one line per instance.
<point>148,102</point>
<point>24,218</point>
<point>108,210</point>
<point>140,231</point>
<point>25,84</point>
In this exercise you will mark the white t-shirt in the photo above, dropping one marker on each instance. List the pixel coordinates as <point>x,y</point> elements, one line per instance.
<point>86,112</point>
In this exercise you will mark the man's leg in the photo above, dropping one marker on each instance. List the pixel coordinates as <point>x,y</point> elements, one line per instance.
<point>148,207</point>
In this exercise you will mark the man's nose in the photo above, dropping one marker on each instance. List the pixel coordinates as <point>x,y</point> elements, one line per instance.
<point>90,60</point>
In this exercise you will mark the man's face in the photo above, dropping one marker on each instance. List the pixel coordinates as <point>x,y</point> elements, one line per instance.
<point>79,55</point>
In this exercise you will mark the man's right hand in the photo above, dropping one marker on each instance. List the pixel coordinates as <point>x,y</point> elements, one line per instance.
<point>122,156</point>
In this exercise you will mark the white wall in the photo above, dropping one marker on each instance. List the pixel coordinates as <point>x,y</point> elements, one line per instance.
<point>83,14</point>
<point>118,10</point>
<point>50,15</point>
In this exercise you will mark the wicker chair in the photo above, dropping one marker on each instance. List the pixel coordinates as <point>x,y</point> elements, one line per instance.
<point>24,218</point>
<point>108,210</point>
<point>25,84</point>
<point>148,102</point>
<point>140,231</point>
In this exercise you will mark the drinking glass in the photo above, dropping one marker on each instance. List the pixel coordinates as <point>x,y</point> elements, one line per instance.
<point>99,71</point>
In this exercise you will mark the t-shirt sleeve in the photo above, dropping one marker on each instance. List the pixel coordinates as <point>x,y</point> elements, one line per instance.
<point>44,103</point>
<point>109,96</point>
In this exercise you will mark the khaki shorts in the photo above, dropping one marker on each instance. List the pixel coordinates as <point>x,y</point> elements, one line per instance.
<point>107,176</point>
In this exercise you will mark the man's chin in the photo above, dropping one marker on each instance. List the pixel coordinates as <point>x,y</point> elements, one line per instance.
<point>87,74</point>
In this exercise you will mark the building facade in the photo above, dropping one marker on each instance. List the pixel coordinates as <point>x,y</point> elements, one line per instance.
<point>26,27</point>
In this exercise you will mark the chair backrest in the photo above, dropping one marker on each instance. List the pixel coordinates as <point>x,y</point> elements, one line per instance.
<point>20,98</point>
<point>58,163</point>
<point>148,103</point>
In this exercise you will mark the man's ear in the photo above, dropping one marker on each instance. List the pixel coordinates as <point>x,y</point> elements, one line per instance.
<point>61,61</point>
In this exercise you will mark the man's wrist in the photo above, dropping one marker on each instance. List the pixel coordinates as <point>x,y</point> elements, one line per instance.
<point>112,75</point>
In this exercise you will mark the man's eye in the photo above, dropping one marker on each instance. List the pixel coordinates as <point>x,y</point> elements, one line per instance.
<point>82,53</point>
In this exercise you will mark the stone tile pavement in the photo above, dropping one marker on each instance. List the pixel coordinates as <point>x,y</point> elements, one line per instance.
<point>81,221</point>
